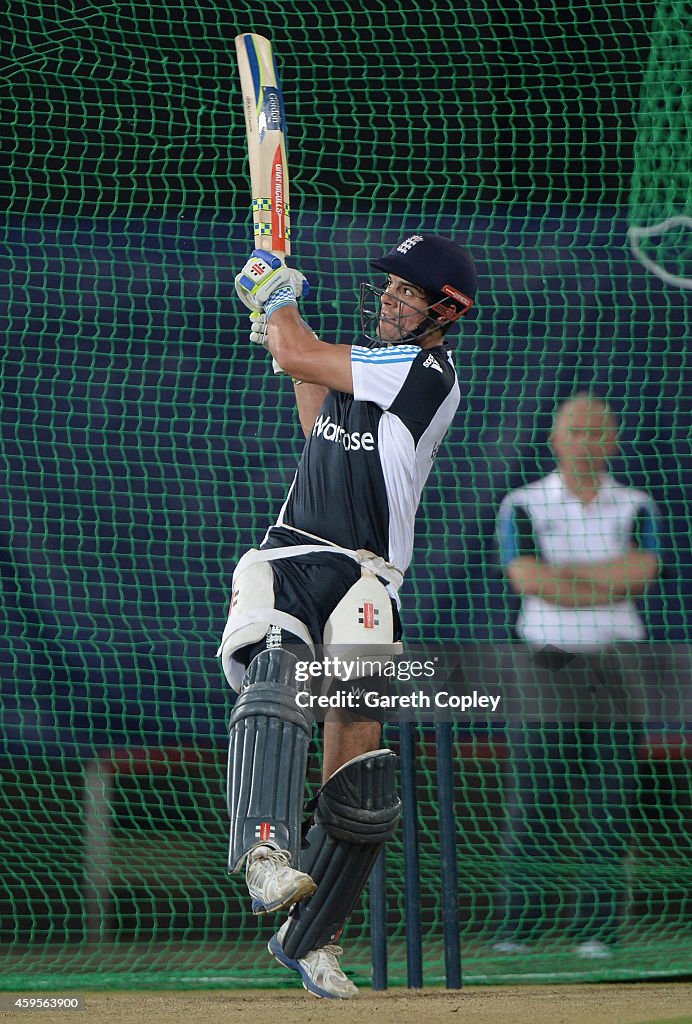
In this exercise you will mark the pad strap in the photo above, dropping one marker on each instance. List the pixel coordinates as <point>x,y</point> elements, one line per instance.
<point>366,559</point>
<point>357,812</point>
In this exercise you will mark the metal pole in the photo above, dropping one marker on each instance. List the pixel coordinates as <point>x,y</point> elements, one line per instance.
<point>98,788</point>
<point>448,854</point>
<point>409,799</point>
<point>378,923</point>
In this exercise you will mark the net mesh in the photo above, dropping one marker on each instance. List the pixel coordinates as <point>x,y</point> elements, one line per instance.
<point>144,446</point>
<point>661,202</point>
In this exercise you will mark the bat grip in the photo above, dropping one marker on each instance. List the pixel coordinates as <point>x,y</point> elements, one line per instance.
<point>268,257</point>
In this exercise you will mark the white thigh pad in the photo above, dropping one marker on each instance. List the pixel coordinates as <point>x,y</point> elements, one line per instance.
<point>362,624</point>
<point>251,614</point>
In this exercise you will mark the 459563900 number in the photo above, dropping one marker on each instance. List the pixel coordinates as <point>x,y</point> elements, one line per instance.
<point>46,1002</point>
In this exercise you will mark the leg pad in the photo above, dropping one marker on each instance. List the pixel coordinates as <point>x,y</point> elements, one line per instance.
<point>357,811</point>
<point>267,759</point>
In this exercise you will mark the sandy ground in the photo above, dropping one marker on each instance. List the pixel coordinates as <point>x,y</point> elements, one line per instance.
<point>643,1003</point>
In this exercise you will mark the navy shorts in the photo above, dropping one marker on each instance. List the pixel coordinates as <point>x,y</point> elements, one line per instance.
<point>310,587</point>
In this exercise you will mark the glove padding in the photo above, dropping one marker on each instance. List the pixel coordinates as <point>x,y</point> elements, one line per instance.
<point>258,335</point>
<point>258,328</point>
<point>262,276</point>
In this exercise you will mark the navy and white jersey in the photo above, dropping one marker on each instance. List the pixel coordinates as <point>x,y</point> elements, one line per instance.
<point>545,520</point>
<point>363,469</point>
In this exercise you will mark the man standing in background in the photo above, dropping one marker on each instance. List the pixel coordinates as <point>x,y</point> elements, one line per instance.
<point>579,548</point>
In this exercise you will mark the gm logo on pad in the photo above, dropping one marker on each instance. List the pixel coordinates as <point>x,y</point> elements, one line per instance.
<point>369,615</point>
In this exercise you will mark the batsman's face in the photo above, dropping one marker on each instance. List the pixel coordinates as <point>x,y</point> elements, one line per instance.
<point>403,307</point>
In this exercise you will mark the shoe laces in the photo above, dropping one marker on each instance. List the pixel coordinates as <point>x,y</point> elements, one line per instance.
<point>276,856</point>
<point>331,953</point>
<point>267,853</point>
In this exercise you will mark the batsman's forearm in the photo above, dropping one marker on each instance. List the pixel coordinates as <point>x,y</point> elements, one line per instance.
<point>309,399</point>
<point>290,340</point>
<point>300,353</point>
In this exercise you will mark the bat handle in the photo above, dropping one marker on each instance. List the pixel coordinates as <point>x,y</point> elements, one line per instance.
<point>268,257</point>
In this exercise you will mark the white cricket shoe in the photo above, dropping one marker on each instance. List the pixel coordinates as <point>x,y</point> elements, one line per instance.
<point>319,969</point>
<point>272,882</point>
<point>593,949</point>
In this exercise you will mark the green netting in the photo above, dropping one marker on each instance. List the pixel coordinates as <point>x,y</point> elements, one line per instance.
<point>661,202</point>
<point>144,447</point>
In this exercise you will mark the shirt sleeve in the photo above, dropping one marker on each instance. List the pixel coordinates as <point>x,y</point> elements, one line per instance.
<point>515,532</point>
<point>647,529</point>
<point>379,373</point>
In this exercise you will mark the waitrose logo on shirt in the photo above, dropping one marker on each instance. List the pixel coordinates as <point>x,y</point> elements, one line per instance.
<point>352,441</point>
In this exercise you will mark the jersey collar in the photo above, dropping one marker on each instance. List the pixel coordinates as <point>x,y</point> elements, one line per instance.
<point>604,494</point>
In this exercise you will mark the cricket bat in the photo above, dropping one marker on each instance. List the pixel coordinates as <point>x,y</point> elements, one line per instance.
<point>265,123</point>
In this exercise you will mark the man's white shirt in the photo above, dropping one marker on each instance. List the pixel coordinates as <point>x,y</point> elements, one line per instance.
<point>546,520</point>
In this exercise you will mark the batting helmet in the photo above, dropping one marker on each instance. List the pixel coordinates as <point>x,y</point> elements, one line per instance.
<point>437,264</point>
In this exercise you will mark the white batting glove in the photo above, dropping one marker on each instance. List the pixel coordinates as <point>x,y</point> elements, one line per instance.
<point>266,283</point>
<point>258,328</point>
<point>258,335</point>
